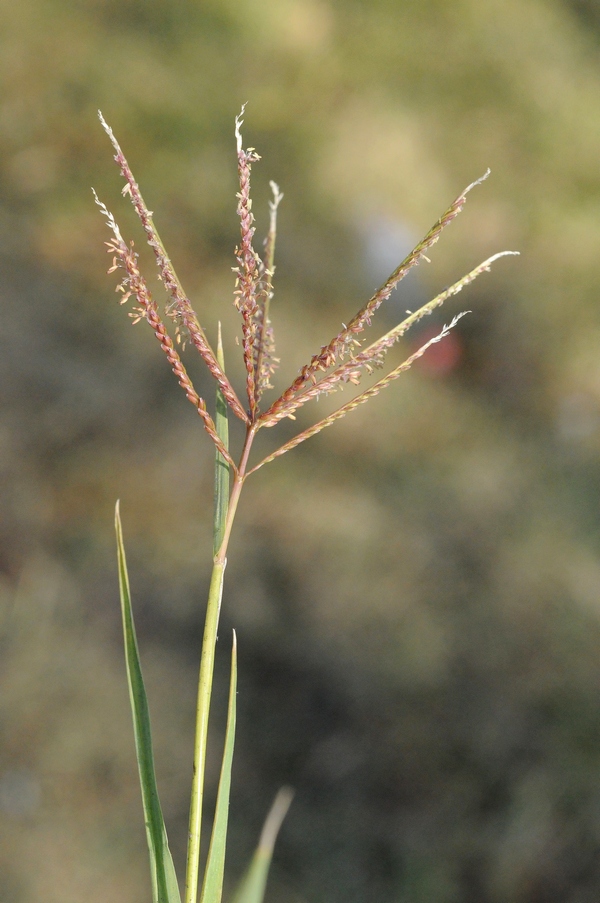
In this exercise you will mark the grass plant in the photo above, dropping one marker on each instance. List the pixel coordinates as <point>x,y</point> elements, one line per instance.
<point>345,359</point>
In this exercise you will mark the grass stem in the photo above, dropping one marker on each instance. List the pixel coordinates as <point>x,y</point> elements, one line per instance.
<point>205,680</point>
<point>207,663</point>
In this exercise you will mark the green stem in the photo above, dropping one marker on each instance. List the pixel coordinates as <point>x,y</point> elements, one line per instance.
<point>236,490</point>
<point>202,709</point>
<point>205,680</point>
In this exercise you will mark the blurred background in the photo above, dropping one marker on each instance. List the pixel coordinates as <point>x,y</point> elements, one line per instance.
<point>417,590</point>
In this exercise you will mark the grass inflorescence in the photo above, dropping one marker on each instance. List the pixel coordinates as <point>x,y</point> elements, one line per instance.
<point>344,360</point>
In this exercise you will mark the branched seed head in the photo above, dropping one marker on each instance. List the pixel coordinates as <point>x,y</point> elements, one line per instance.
<point>342,361</point>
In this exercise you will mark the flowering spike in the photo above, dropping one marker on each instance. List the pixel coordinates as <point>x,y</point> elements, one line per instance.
<point>270,239</point>
<point>134,284</point>
<point>373,356</point>
<point>180,308</point>
<point>342,344</point>
<point>248,268</point>
<point>265,362</point>
<point>360,399</point>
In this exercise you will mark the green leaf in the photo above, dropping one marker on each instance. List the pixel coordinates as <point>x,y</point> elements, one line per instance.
<point>251,888</point>
<point>221,465</point>
<point>164,881</point>
<point>212,887</point>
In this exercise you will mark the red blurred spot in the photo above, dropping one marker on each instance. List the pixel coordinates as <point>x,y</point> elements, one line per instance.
<point>442,357</point>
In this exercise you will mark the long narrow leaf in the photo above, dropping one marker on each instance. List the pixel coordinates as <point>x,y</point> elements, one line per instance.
<point>164,880</point>
<point>251,888</point>
<point>212,887</point>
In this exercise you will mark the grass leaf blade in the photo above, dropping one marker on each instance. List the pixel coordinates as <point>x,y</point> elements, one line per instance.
<point>212,887</point>
<point>164,881</point>
<point>251,888</point>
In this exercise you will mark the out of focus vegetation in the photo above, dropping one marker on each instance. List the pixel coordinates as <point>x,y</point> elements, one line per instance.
<point>416,591</point>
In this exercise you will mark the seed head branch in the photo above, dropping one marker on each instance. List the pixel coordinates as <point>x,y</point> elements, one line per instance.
<point>346,340</point>
<point>362,398</point>
<point>265,362</point>
<point>180,308</point>
<point>271,237</point>
<point>133,284</point>
<point>372,358</point>
<point>248,267</point>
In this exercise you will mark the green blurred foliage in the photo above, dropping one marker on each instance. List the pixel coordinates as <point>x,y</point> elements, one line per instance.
<point>416,591</point>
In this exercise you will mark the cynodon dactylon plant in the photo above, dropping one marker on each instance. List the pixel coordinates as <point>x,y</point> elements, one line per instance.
<point>345,359</point>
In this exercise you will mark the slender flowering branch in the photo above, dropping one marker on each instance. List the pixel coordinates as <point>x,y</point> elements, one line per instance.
<point>343,343</point>
<point>248,268</point>
<point>373,357</point>
<point>133,284</point>
<point>265,361</point>
<point>272,234</point>
<point>373,390</point>
<point>180,309</point>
